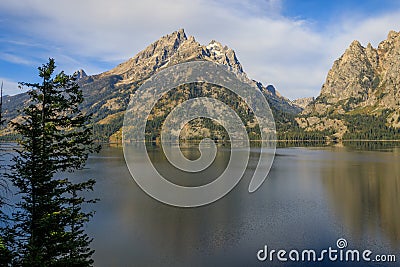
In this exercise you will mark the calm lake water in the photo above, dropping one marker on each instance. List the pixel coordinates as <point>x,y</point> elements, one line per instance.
<point>311,198</point>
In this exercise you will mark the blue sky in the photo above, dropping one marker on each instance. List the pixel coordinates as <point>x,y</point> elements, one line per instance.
<point>288,43</point>
<point>325,13</point>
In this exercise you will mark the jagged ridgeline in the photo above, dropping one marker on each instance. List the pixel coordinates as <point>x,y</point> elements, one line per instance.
<point>360,98</point>
<point>200,128</point>
<point>107,94</point>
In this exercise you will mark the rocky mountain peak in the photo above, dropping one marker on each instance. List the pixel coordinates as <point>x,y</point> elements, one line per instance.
<point>172,49</point>
<point>271,89</point>
<point>180,32</point>
<point>215,46</point>
<point>355,45</point>
<point>354,52</point>
<point>362,71</point>
<point>392,42</point>
<point>151,58</point>
<point>393,35</point>
<point>352,75</point>
<point>79,74</point>
<point>364,80</point>
<point>189,50</point>
<point>107,94</point>
<point>224,55</point>
<point>389,45</point>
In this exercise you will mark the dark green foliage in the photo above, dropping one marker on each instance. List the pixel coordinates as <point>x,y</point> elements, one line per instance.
<point>370,127</point>
<point>10,137</point>
<point>48,221</point>
<point>102,90</point>
<point>199,89</point>
<point>289,131</point>
<point>102,132</point>
<point>371,145</point>
<point>286,126</point>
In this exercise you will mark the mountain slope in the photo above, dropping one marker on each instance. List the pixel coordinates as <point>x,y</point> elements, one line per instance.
<point>107,94</point>
<point>364,83</point>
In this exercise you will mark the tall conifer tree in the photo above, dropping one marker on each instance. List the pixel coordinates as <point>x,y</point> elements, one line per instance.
<point>48,222</point>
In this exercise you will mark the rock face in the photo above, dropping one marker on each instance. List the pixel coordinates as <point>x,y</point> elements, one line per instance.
<point>107,94</point>
<point>303,102</point>
<point>79,74</point>
<point>352,75</point>
<point>172,49</point>
<point>364,80</point>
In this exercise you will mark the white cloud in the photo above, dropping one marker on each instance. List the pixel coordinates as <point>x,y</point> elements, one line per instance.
<point>288,53</point>
<point>15,59</point>
<point>9,87</point>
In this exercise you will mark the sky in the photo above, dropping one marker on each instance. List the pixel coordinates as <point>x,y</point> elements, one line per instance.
<point>288,43</point>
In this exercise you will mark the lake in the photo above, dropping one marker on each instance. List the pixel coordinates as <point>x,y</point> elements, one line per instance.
<point>311,198</point>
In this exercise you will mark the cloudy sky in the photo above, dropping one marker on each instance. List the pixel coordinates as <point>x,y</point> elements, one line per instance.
<point>288,43</point>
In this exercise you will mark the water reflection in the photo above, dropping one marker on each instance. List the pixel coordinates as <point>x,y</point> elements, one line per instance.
<point>312,197</point>
<point>364,189</point>
<point>372,145</point>
<point>135,228</point>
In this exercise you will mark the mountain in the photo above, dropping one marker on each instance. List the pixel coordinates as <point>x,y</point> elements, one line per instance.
<point>361,93</point>
<point>107,94</point>
<point>303,102</point>
<point>79,74</point>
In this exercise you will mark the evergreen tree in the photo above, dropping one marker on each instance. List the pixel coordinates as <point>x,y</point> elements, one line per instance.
<point>48,221</point>
<point>5,253</point>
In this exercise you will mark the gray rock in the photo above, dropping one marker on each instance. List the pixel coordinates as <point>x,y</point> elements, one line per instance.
<point>364,80</point>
